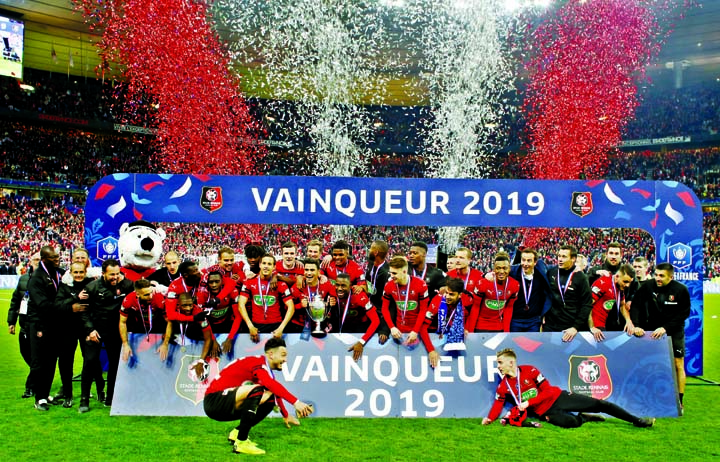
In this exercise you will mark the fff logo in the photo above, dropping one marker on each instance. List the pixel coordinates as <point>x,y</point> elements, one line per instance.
<point>680,256</point>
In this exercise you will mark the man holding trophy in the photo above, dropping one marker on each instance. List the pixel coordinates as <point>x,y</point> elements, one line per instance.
<point>314,297</point>
<point>246,389</point>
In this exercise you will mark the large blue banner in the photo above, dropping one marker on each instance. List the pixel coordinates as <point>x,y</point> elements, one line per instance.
<point>669,211</point>
<point>393,381</point>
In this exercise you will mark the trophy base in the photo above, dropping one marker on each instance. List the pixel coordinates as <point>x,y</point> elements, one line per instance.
<point>319,334</point>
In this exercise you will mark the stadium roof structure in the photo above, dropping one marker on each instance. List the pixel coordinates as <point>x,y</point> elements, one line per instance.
<point>54,25</point>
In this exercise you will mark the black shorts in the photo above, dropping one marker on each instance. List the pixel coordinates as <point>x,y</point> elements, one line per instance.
<point>220,405</point>
<point>678,344</point>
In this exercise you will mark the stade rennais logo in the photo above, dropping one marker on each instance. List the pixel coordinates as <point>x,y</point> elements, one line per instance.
<point>211,199</point>
<point>589,375</point>
<point>680,256</point>
<point>581,204</point>
<point>188,385</point>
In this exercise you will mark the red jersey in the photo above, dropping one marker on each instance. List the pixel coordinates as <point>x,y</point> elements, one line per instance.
<point>606,298</point>
<point>351,268</point>
<point>140,315</point>
<point>225,312</point>
<point>254,369</point>
<point>411,302</point>
<point>472,279</point>
<point>534,388</point>
<point>265,302</point>
<point>323,290</point>
<point>492,310</point>
<point>238,270</point>
<point>352,312</point>
<point>292,273</point>
<point>178,286</point>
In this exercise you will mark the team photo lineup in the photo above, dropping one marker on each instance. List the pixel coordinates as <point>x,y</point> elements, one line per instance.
<point>399,298</point>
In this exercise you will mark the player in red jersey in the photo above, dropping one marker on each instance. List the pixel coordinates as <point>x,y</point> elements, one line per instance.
<point>227,266</point>
<point>455,297</point>
<point>265,315</point>
<point>246,390</point>
<point>289,270</point>
<point>190,281</point>
<point>194,330</point>
<point>404,301</point>
<point>341,263</point>
<point>304,295</point>
<point>492,310</point>
<point>223,313</point>
<point>609,312</point>
<point>143,311</point>
<point>352,313</point>
<point>531,392</point>
<point>471,277</point>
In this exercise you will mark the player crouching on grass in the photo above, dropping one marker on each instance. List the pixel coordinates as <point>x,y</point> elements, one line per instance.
<point>531,392</point>
<point>246,389</point>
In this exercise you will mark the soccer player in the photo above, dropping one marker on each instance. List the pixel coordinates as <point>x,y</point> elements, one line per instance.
<point>341,263</point>
<point>405,300</point>
<point>194,330</point>
<point>221,306</point>
<point>609,306</point>
<point>534,298</point>
<point>471,277</point>
<point>434,278</point>
<point>246,390</point>
<point>376,276</point>
<point>227,266</point>
<point>493,306</point>
<point>530,391</point>
<point>265,315</point>
<point>611,264</point>
<point>289,270</point>
<point>450,310</point>
<point>253,254</point>
<point>165,276</point>
<point>314,249</point>
<point>353,313</point>
<point>189,281</point>
<point>143,311</point>
<point>662,306</point>
<point>305,295</point>
<point>571,297</point>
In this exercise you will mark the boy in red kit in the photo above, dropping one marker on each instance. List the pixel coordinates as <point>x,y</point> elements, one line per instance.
<point>223,313</point>
<point>265,315</point>
<point>194,330</point>
<point>492,310</point>
<point>289,270</point>
<point>531,392</point>
<point>352,312</point>
<point>246,389</point>
<point>305,295</point>
<point>405,301</point>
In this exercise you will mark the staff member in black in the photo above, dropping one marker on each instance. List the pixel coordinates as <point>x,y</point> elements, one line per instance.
<point>101,323</point>
<point>571,297</point>
<point>71,300</point>
<point>661,306</point>
<point>376,276</point>
<point>17,314</point>
<point>43,288</point>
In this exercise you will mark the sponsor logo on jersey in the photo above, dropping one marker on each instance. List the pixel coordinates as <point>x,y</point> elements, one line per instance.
<point>495,305</point>
<point>589,375</point>
<point>527,394</point>
<point>411,305</point>
<point>680,255</point>
<point>581,204</point>
<point>211,198</point>
<point>269,300</point>
<point>608,305</point>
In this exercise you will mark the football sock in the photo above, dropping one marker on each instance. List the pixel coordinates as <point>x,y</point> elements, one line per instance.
<point>248,412</point>
<point>681,397</point>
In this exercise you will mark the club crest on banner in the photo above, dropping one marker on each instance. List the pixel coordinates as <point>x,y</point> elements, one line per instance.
<point>589,375</point>
<point>680,256</point>
<point>187,385</point>
<point>581,204</point>
<point>211,198</point>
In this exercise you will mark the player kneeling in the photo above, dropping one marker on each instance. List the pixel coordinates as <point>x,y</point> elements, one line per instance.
<point>246,390</point>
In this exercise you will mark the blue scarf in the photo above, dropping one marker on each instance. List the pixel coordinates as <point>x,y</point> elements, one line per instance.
<point>455,332</point>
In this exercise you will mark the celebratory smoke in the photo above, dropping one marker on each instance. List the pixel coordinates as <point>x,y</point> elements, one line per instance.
<point>174,64</point>
<point>585,61</point>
